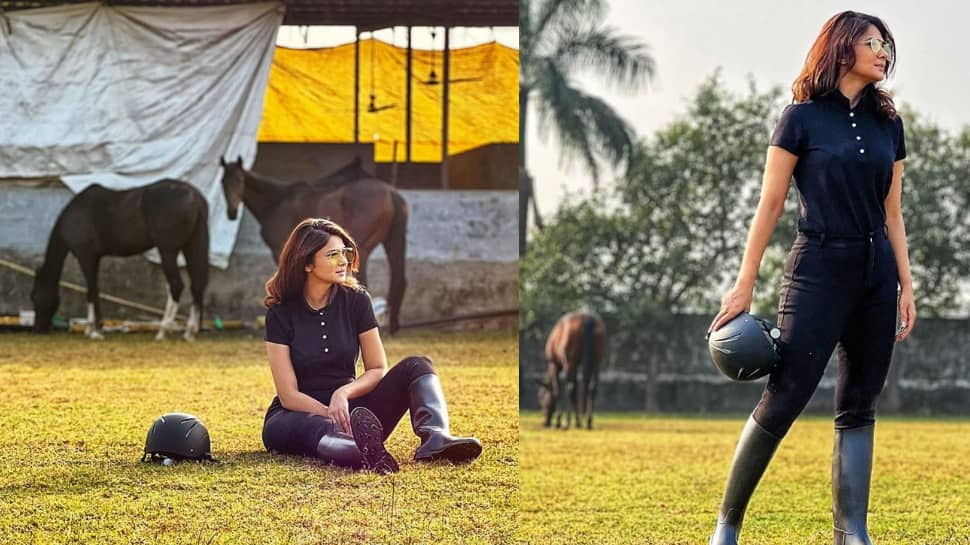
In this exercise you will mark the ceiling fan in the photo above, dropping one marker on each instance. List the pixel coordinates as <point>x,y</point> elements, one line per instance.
<point>433,78</point>
<point>372,107</point>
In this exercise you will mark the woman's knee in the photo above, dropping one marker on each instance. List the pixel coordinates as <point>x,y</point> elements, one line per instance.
<point>294,432</point>
<point>417,366</point>
<point>777,411</point>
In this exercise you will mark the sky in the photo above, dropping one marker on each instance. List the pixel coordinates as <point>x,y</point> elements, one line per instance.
<point>328,36</point>
<point>689,39</point>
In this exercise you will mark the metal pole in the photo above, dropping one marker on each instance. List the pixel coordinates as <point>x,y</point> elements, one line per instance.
<point>407,137</point>
<point>445,77</point>
<point>357,86</point>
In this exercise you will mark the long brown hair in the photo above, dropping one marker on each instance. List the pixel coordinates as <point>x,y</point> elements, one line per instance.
<point>820,75</point>
<point>306,240</point>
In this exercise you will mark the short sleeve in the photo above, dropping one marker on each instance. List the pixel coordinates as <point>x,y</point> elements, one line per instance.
<point>900,140</point>
<point>279,329</point>
<point>789,133</point>
<point>363,312</point>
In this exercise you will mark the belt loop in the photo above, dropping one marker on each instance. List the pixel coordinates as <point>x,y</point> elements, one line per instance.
<point>821,240</point>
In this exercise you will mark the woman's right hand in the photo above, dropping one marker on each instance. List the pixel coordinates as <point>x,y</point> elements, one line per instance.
<point>339,410</point>
<point>737,299</point>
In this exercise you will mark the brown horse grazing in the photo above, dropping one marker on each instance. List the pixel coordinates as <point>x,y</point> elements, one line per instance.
<point>574,351</point>
<point>170,215</point>
<point>371,210</point>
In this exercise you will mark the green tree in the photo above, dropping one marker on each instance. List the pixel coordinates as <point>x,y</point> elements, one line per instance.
<point>676,235</point>
<point>558,39</point>
<point>935,201</point>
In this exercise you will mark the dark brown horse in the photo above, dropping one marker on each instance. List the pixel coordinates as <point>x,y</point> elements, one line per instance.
<point>371,210</point>
<point>574,351</point>
<point>170,215</point>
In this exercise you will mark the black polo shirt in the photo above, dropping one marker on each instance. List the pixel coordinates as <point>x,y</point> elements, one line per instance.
<point>845,161</point>
<point>324,344</point>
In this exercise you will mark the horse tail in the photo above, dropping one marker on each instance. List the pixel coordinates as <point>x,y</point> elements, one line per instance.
<point>49,273</point>
<point>197,252</point>
<point>395,246</point>
<point>48,277</point>
<point>587,357</point>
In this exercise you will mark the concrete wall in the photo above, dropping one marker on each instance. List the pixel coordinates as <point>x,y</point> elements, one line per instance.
<point>931,373</point>
<point>462,258</point>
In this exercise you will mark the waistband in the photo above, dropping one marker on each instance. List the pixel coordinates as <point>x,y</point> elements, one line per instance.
<point>861,237</point>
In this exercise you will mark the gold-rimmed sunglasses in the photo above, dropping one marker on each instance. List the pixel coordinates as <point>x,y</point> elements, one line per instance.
<point>876,45</point>
<point>333,256</point>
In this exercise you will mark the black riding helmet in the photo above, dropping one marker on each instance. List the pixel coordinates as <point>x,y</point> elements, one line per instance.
<point>745,348</point>
<point>177,436</point>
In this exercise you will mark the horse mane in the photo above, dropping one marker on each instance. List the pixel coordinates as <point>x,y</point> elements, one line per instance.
<point>351,172</point>
<point>269,189</point>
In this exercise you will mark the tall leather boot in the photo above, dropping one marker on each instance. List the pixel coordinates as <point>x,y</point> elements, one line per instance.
<point>362,450</point>
<point>429,419</point>
<point>755,449</point>
<point>851,475</point>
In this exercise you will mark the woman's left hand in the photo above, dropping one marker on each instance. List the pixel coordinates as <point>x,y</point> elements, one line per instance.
<point>907,313</point>
<point>339,410</point>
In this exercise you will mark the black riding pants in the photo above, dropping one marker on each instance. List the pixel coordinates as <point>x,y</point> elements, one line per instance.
<point>294,432</point>
<point>837,292</point>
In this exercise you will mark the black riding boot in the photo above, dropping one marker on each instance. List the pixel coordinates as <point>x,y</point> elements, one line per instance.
<point>362,450</point>
<point>755,449</point>
<point>429,418</point>
<point>851,474</point>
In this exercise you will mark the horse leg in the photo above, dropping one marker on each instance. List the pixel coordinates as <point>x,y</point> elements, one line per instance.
<point>550,402</point>
<point>362,269</point>
<point>395,246</point>
<point>590,396</point>
<point>563,379</point>
<point>89,267</point>
<point>171,269</point>
<point>573,392</point>
<point>556,395</point>
<point>197,263</point>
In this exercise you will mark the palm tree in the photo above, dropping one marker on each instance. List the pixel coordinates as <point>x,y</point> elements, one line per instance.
<point>558,38</point>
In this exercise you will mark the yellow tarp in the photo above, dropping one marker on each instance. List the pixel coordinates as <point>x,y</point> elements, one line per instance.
<point>311,96</point>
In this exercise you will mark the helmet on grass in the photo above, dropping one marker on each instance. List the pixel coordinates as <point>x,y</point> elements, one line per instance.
<point>177,436</point>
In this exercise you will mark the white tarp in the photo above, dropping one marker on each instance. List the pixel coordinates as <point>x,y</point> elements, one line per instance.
<point>124,96</point>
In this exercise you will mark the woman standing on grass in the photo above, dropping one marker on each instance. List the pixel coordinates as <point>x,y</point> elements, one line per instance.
<point>318,320</point>
<point>843,141</point>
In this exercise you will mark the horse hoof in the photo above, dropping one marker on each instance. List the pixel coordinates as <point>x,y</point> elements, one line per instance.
<point>160,336</point>
<point>96,336</point>
<point>189,338</point>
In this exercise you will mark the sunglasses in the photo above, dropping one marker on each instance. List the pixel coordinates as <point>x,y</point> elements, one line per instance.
<point>333,256</point>
<point>876,45</point>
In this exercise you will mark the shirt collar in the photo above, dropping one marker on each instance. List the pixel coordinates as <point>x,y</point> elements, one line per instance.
<point>835,97</point>
<point>330,298</point>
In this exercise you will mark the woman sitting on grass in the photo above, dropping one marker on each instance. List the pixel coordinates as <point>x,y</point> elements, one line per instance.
<point>318,320</point>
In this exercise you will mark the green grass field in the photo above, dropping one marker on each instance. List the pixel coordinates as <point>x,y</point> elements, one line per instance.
<point>74,415</point>
<point>658,480</point>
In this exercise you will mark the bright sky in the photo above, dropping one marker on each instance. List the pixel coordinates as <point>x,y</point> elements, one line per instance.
<point>769,40</point>
<point>327,36</point>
